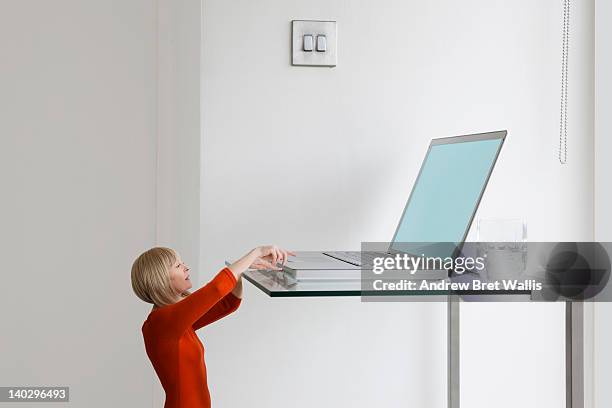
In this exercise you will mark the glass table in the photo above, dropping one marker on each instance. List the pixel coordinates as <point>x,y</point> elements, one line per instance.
<point>277,284</point>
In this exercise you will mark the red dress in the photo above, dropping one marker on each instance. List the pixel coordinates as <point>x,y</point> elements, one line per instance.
<point>176,351</point>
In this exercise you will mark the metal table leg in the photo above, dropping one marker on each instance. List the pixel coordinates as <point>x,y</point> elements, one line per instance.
<point>453,352</point>
<point>574,355</point>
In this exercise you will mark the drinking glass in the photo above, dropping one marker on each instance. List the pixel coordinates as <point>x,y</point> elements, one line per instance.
<point>503,245</point>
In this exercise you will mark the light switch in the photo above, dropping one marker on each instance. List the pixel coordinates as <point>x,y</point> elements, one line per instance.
<point>314,35</point>
<point>321,43</point>
<point>308,43</point>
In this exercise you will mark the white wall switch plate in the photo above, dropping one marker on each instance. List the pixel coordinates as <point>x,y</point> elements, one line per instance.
<point>300,28</point>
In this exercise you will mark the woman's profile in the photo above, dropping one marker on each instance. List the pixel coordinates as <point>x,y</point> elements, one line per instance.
<point>160,277</point>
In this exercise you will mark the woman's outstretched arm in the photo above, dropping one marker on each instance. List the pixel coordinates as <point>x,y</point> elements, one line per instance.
<point>222,308</point>
<point>187,311</point>
<point>265,257</point>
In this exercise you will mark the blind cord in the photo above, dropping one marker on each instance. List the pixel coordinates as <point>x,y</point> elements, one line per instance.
<point>564,77</point>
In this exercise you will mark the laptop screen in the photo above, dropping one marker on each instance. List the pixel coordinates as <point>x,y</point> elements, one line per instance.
<point>447,191</point>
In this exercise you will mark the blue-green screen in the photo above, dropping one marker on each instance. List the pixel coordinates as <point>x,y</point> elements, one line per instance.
<point>446,192</point>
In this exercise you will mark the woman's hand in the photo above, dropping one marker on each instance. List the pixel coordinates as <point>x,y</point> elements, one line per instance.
<point>262,264</point>
<point>269,256</point>
<point>263,257</point>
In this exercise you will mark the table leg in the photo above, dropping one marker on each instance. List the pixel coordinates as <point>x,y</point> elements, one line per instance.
<point>574,354</point>
<point>453,352</point>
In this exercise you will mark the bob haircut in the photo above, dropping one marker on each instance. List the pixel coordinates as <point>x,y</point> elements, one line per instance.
<point>151,276</point>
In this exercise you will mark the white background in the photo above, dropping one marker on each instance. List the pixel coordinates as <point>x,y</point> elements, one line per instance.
<point>101,158</point>
<point>315,158</point>
<point>78,124</point>
<point>602,369</point>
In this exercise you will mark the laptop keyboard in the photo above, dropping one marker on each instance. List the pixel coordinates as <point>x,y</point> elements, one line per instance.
<point>355,257</point>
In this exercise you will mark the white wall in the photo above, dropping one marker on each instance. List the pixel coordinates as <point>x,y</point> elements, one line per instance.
<point>80,114</point>
<point>78,122</point>
<point>178,155</point>
<point>603,121</point>
<point>603,193</point>
<point>318,158</point>
<point>178,191</point>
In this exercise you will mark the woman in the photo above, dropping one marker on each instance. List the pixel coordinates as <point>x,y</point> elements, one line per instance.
<point>160,277</point>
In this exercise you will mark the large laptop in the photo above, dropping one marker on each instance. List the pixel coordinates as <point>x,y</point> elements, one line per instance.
<point>440,208</point>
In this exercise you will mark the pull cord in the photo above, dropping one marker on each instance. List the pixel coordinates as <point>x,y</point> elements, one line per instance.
<point>564,78</point>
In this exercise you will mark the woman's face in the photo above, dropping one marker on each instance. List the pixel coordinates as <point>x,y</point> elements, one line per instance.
<point>179,275</point>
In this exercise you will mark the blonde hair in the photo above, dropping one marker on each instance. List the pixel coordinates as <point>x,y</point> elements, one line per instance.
<point>151,276</point>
